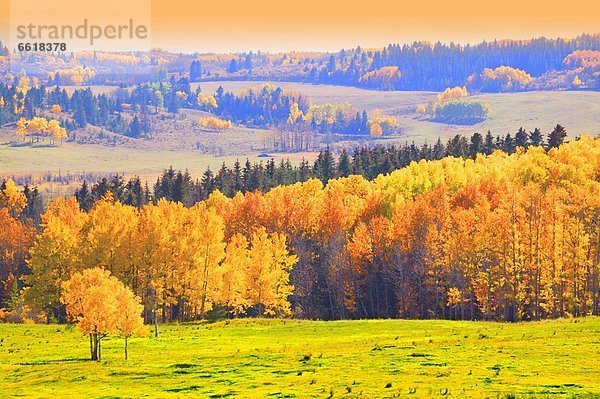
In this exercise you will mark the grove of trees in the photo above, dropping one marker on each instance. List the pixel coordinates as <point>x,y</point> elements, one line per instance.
<point>101,305</point>
<point>451,106</point>
<point>435,66</point>
<point>495,237</point>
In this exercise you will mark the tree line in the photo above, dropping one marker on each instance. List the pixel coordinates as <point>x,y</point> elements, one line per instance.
<point>130,112</point>
<point>503,237</point>
<point>368,162</point>
<point>435,66</point>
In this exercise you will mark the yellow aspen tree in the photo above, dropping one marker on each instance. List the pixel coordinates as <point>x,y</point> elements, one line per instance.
<point>55,256</point>
<point>21,128</point>
<point>56,131</point>
<point>108,236</point>
<point>90,302</point>
<point>128,321</point>
<point>375,130</point>
<point>267,274</point>
<point>231,275</point>
<point>207,102</point>
<point>100,305</point>
<point>56,109</point>
<point>37,126</point>
<point>159,238</point>
<point>206,237</point>
<point>295,113</point>
<point>12,199</point>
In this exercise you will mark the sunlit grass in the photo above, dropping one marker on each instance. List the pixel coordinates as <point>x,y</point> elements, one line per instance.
<point>302,359</point>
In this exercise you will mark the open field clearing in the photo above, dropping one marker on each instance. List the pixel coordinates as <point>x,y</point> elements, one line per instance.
<point>320,94</point>
<point>303,359</point>
<point>148,163</point>
<point>578,111</point>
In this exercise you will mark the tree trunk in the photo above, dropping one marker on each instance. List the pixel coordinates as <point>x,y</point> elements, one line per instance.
<point>126,354</point>
<point>204,284</point>
<point>91,347</point>
<point>94,346</point>
<point>155,311</point>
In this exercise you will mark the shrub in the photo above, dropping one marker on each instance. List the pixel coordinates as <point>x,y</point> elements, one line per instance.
<point>212,123</point>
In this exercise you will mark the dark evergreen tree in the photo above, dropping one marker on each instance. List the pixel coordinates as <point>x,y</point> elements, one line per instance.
<point>343,166</point>
<point>556,137</point>
<point>489,146</point>
<point>34,206</point>
<point>195,71</point>
<point>536,138</point>
<point>509,145</point>
<point>233,66</point>
<point>135,128</point>
<point>324,168</point>
<point>476,145</point>
<point>521,138</point>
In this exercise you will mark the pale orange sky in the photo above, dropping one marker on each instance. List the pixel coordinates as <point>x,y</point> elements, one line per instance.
<point>233,25</point>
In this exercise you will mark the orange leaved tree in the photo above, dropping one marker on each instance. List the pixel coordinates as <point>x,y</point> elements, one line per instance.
<point>100,304</point>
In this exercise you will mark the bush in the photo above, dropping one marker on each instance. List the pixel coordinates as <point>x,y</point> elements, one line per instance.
<point>461,111</point>
<point>501,79</point>
<point>451,107</point>
<point>212,123</point>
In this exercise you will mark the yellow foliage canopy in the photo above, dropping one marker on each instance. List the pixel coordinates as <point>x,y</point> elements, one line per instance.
<point>206,102</point>
<point>100,304</point>
<point>73,76</point>
<point>39,126</point>
<point>383,78</point>
<point>503,78</point>
<point>213,123</point>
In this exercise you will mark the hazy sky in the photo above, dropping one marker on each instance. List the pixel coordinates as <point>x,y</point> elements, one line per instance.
<point>233,25</point>
<point>330,25</point>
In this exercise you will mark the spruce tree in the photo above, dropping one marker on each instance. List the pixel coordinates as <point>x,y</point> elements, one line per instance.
<point>557,137</point>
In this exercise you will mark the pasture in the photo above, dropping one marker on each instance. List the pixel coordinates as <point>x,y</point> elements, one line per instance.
<point>304,359</point>
<point>578,111</point>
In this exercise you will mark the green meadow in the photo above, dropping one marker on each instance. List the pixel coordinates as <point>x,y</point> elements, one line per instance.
<point>305,359</point>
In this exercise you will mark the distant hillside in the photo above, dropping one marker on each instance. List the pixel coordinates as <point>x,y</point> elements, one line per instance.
<point>550,63</point>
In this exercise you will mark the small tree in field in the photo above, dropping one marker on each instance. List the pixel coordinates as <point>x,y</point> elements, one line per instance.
<point>127,318</point>
<point>100,304</point>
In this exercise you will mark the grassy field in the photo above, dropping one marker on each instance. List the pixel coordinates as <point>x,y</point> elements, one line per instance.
<point>181,144</point>
<point>578,111</point>
<point>302,359</point>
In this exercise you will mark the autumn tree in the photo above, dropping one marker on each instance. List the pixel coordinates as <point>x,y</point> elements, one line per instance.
<point>232,290</point>
<point>376,131</point>
<point>56,131</point>
<point>56,109</point>
<point>503,78</point>
<point>21,130</point>
<point>267,274</point>
<point>207,103</point>
<point>128,321</point>
<point>100,304</point>
<point>55,256</point>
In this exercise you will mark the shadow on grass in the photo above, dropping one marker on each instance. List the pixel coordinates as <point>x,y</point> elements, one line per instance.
<point>184,389</point>
<point>457,121</point>
<point>56,361</point>
<point>21,144</point>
